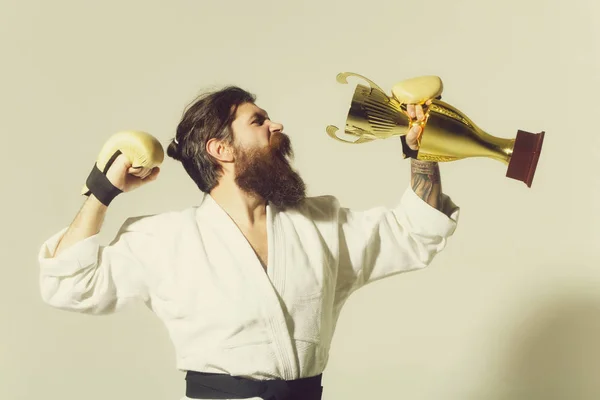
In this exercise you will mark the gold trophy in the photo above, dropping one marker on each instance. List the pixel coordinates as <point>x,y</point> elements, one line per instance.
<point>447,133</point>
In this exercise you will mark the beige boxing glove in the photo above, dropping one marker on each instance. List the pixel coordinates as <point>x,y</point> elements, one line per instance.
<point>418,90</point>
<point>141,149</point>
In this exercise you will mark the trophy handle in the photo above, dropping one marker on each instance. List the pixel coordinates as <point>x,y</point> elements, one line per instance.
<point>363,136</point>
<point>342,78</point>
<point>332,130</point>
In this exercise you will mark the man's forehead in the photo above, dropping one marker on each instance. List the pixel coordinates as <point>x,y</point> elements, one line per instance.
<point>248,110</point>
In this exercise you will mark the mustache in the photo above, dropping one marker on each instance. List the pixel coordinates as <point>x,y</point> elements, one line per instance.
<point>281,144</point>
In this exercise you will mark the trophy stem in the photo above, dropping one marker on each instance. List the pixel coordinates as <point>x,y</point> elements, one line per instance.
<point>525,156</point>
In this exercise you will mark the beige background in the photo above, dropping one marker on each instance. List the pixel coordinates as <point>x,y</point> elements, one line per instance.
<point>511,310</point>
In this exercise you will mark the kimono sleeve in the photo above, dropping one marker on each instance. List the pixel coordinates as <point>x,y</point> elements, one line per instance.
<point>92,278</point>
<point>382,242</point>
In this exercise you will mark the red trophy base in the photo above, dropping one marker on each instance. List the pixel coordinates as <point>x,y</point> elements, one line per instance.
<point>525,156</point>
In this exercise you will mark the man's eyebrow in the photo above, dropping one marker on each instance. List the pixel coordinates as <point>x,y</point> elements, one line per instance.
<point>257,114</point>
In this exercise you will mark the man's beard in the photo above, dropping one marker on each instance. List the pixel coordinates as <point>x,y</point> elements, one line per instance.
<point>267,172</point>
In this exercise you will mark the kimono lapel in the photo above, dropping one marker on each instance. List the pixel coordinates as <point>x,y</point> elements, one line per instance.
<point>268,286</point>
<point>239,246</point>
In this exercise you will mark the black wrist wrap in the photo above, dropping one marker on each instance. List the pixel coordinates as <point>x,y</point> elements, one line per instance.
<point>408,152</point>
<point>99,185</point>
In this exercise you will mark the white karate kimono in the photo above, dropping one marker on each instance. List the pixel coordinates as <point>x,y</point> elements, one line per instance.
<point>196,271</point>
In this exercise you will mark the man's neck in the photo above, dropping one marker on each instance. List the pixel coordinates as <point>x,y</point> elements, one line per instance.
<point>244,208</point>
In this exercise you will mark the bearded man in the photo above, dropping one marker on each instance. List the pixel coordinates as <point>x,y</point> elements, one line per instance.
<point>250,282</point>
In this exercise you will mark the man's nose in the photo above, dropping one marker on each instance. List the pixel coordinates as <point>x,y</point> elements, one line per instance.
<point>276,127</point>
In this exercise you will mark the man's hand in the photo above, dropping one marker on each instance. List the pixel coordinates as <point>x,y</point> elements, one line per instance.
<point>90,217</point>
<point>425,175</point>
<point>126,178</point>
<point>416,112</point>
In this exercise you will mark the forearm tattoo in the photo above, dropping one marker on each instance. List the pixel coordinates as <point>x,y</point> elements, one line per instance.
<point>426,182</point>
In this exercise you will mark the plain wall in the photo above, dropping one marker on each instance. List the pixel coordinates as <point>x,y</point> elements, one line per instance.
<point>510,310</point>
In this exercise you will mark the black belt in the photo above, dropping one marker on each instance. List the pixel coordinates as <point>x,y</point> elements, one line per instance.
<point>203,385</point>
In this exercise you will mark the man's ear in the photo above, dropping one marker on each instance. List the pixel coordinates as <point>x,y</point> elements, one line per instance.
<point>220,150</point>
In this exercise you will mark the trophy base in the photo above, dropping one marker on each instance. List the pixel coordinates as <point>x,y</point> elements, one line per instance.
<point>525,156</point>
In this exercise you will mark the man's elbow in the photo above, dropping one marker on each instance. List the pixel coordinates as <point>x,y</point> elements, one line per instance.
<point>64,297</point>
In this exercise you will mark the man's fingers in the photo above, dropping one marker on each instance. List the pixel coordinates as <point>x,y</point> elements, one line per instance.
<point>150,173</point>
<point>410,109</point>
<point>419,136</point>
<point>416,131</point>
<point>420,113</point>
<point>153,174</point>
<point>412,137</point>
<point>147,172</point>
<point>139,172</point>
<point>416,110</point>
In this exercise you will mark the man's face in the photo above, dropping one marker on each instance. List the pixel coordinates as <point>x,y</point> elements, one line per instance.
<point>262,152</point>
<point>252,127</point>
